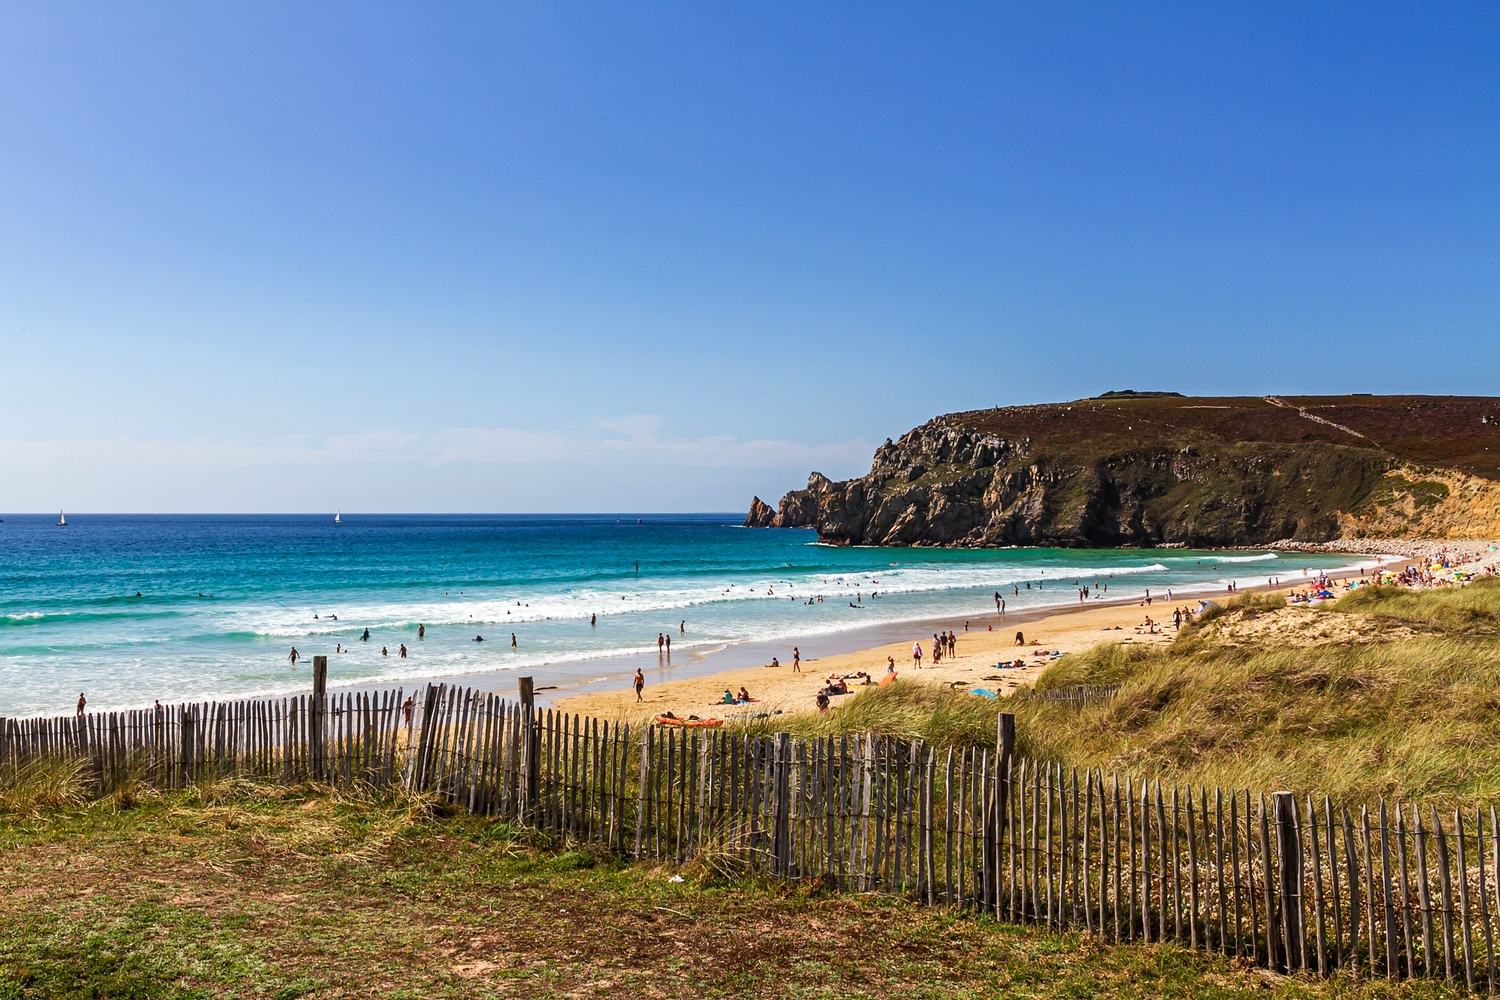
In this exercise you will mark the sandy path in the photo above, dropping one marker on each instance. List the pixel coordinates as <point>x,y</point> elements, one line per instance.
<point>1070,631</point>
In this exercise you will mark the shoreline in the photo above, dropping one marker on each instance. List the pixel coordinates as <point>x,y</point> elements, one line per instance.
<point>696,684</point>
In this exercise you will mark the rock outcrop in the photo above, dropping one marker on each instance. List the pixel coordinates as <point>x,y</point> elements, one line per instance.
<point>1159,469</point>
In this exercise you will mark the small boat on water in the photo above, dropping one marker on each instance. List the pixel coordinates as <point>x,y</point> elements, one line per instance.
<point>62,520</point>
<point>338,517</point>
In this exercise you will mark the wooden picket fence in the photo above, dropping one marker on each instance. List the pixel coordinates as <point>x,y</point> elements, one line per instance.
<point>1392,891</point>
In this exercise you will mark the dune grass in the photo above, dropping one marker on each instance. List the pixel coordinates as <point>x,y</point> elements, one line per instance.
<point>1473,609</point>
<point>1414,718</point>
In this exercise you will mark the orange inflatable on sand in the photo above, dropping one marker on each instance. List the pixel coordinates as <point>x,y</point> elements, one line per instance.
<point>888,678</point>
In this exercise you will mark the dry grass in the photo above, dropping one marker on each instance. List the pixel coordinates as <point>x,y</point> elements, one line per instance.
<point>1410,717</point>
<point>48,783</point>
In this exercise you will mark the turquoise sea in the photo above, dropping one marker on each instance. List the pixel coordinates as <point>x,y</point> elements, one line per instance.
<point>223,599</point>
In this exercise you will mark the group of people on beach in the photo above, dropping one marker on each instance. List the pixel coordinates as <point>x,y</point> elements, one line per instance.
<point>743,698</point>
<point>943,644</point>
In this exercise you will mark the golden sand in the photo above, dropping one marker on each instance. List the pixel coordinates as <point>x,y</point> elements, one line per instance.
<point>1068,631</point>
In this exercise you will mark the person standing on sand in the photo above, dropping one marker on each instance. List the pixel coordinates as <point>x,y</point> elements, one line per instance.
<point>890,664</point>
<point>660,642</point>
<point>916,654</point>
<point>82,701</point>
<point>796,660</point>
<point>407,708</point>
<point>640,684</point>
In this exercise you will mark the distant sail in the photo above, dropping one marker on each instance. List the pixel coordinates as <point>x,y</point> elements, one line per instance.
<point>338,518</point>
<point>62,521</point>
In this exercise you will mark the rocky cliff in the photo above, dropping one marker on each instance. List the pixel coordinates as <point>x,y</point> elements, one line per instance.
<point>1147,469</point>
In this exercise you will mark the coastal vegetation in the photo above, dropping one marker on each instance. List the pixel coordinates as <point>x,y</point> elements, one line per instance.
<point>1390,693</point>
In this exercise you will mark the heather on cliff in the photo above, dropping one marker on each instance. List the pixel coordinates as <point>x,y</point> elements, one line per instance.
<point>1160,469</point>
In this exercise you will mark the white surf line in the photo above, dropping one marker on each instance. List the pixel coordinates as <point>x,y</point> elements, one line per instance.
<point>1278,401</point>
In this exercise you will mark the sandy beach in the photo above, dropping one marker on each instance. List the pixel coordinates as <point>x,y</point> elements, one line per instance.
<point>1067,630</point>
<point>781,689</point>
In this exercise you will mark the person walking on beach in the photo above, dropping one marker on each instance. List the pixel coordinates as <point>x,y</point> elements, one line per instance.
<point>660,642</point>
<point>407,707</point>
<point>640,684</point>
<point>82,701</point>
<point>796,660</point>
<point>916,654</point>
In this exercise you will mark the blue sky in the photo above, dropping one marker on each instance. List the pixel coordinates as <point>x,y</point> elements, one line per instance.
<point>262,257</point>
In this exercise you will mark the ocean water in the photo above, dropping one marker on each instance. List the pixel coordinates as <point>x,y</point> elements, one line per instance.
<point>129,608</point>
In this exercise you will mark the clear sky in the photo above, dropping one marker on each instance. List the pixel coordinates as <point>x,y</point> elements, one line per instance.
<point>437,257</point>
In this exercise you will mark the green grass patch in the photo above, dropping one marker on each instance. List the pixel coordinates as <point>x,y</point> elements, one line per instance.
<point>284,893</point>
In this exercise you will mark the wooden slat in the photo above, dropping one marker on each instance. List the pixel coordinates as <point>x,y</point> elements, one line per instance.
<point>1465,921</point>
<point>1401,853</point>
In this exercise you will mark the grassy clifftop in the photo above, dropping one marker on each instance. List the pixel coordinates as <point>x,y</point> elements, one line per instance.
<point>1452,432</point>
<point>1154,469</point>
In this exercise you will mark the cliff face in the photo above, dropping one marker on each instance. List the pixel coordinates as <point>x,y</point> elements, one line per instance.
<point>1137,469</point>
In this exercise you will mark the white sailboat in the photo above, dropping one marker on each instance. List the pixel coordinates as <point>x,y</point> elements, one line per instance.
<point>62,521</point>
<point>338,517</point>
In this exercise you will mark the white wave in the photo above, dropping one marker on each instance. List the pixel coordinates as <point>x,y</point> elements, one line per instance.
<point>1230,559</point>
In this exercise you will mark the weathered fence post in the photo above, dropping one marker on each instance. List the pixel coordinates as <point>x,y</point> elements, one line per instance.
<point>531,747</point>
<point>781,804</point>
<point>1289,864</point>
<point>318,717</point>
<point>185,758</point>
<point>997,801</point>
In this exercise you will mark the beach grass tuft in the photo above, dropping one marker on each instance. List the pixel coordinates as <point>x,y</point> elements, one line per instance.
<point>41,784</point>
